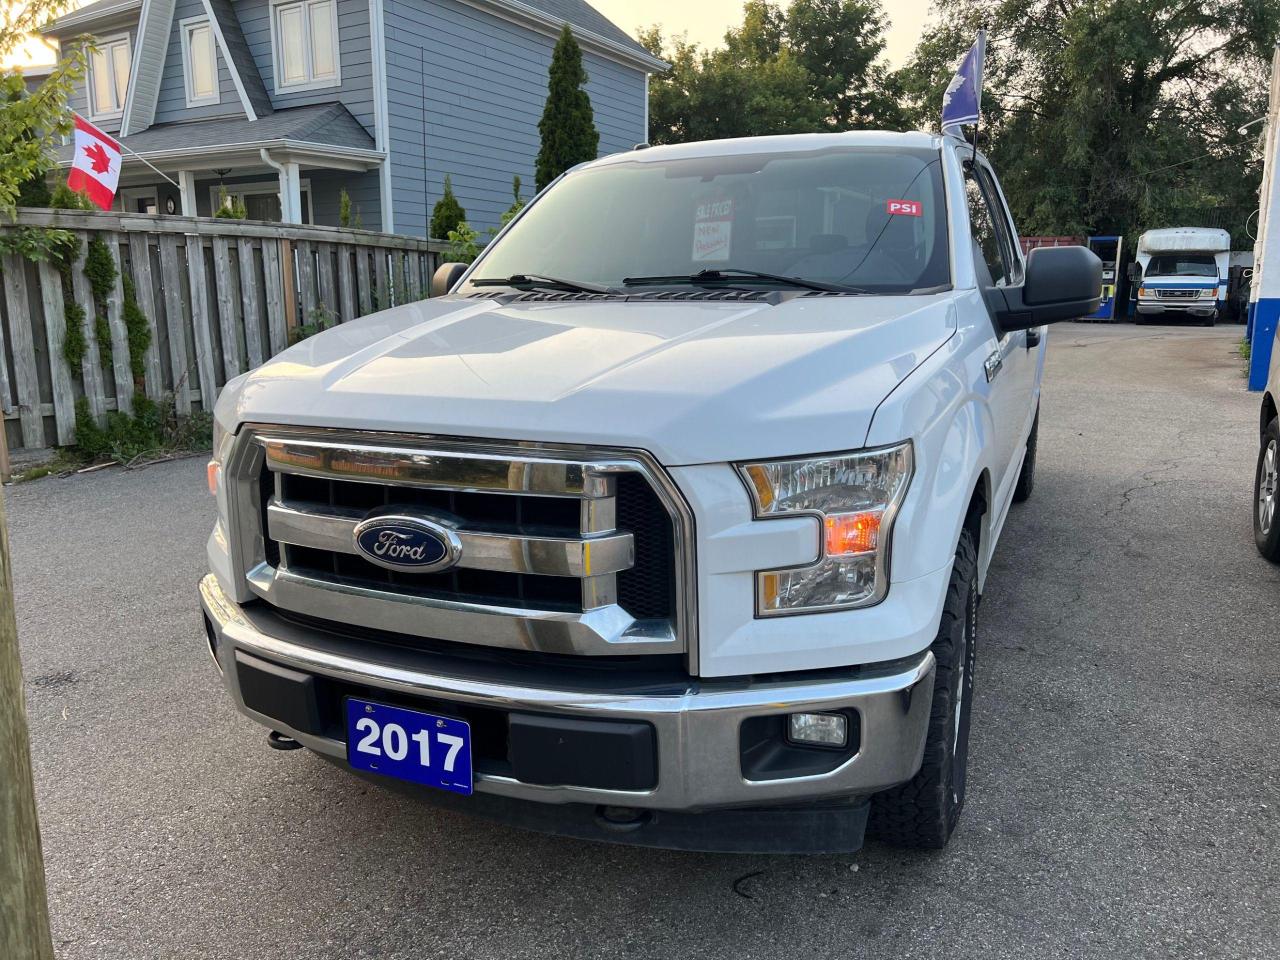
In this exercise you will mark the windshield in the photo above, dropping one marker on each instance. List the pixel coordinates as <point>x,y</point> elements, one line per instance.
<point>1182,265</point>
<point>862,217</point>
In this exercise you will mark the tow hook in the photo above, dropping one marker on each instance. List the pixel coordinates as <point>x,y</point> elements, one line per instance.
<point>622,819</point>
<point>278,741</point>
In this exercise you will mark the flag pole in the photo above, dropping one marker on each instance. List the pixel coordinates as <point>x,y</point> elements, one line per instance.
<point>979,73</point>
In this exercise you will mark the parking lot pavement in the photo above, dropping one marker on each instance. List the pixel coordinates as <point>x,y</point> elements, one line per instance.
<point>1124,794</point>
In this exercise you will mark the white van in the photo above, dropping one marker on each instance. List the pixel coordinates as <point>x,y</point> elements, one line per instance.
<point>1183,273</point>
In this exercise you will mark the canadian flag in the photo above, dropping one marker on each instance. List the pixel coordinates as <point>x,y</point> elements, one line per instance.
<point>95,170</point>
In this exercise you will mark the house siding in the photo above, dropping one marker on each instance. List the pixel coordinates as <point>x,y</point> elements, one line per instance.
<point>484,82</point>
<point>355,59</point>
<point>171,104</point>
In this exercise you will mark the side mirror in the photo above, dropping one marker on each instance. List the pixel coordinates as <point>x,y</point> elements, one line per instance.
<point>445,277</point>
<point>1135,271</point>
<point>1061,283</point>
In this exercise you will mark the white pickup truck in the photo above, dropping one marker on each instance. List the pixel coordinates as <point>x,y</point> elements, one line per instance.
<point>667,524</point>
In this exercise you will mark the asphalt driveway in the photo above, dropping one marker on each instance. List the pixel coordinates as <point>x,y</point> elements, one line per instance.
<point>1124,788</point>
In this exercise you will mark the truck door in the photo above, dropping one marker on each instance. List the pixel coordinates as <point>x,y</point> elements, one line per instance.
<point>998,262</point>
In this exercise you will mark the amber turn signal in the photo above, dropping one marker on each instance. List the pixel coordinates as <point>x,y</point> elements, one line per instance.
<point>849,534</point>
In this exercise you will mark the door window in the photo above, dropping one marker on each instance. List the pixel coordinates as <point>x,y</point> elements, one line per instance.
<point>990,227</point>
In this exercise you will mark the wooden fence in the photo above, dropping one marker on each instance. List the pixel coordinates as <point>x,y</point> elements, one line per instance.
<point>219,296</point>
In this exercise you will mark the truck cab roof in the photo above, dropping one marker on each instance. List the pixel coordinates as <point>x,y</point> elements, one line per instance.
<point>789,143</point>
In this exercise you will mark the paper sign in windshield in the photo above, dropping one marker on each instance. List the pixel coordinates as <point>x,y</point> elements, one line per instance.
<point>904,208</point>
<point>713,230</point>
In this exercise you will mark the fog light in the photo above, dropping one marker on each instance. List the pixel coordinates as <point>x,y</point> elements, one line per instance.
<point>821,729</point>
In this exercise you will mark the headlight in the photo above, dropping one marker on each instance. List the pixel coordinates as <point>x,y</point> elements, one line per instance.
<point>855,497</point>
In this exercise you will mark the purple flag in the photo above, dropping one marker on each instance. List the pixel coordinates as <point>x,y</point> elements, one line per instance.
<point>963,100</point>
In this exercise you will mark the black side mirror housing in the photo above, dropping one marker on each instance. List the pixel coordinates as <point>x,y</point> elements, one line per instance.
<point>1061,283</point>
<point>1135,271</point>
<point>445,277</point>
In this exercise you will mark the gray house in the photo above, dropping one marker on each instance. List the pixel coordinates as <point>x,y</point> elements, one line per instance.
<point>282,104</point>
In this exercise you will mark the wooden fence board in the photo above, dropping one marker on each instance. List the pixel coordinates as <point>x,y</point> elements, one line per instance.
<point>203,335</point>
<point>228,305</point>
<point>55,328</point>
<point>91,366</point>
<point>26,381</point>
<point>362,281</point>
<point>145,292</point>
<point>6,389</point>
<point>175,323</point>
<point>346,286</point>
<point>382,283</point>
<point>304,257</point>
<point>250,311</point>
<point>273,283</point>
<point>399,284</point>
<point>120,368</point>
<point>328,306</point>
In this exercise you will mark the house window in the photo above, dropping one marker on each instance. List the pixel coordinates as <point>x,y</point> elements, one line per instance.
<point>306,44</point>
<point>109,76</point>
<point>199,62</point>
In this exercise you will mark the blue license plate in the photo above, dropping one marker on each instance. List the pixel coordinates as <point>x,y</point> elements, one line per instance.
<point>409,745</point>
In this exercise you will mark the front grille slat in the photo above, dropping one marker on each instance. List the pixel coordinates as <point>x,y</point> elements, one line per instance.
<point>560,553</point>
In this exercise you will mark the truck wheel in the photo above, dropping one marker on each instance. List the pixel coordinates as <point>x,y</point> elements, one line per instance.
<point>1266,494</point>
<point>922,813</point>
<point>1027,476</point>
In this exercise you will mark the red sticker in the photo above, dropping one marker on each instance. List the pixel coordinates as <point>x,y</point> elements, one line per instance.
<point>904,208</point>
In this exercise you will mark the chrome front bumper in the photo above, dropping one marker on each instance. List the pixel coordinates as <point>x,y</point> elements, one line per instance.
<point>697,729</point>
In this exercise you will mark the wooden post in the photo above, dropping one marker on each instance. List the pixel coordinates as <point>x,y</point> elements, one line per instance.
<point>24,905</point>
<point>290,288</point>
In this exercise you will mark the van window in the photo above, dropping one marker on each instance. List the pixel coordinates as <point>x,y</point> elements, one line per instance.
<point>868,217</point>
<point>1182,265</point>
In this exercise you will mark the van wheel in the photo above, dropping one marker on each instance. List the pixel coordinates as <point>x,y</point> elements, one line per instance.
<point>1027,475</point>
<point>1266,494</point>
<point>922,813</point>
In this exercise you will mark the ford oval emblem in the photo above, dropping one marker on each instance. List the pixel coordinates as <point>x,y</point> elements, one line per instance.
<point>399,541</point>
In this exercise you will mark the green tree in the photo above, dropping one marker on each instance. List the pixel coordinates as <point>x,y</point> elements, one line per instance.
<point>32,123</point>
<point>447,213</point>
<point>1110,116</point>
<point>567,127</point>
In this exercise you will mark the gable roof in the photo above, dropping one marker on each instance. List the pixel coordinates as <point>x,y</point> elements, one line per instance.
<point>240,62</point>
<point>589,25</point>
<point>75,21</point>
<point>150,49</point>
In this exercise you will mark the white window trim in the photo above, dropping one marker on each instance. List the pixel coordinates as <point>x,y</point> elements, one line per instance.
<point>277,57</point>
<point>259,187</point>
<point>104,44</point>
<point>185,26</point>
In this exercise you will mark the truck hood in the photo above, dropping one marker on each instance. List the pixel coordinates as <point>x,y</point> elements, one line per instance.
<point>690,381</point>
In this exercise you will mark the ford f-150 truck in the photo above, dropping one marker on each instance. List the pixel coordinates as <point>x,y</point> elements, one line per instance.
<point>667,524</point>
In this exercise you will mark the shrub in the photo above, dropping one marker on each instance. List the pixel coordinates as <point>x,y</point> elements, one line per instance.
<point>567,127</point>
<point>447,213</point>
<point>229,209</point>
<point>463,246</point>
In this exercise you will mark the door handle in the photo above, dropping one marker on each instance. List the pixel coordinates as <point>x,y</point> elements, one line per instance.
<point>992,365</point>
<point>1033,338</point>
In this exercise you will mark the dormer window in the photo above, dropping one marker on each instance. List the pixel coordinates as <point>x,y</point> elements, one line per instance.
<point>199,62</point>
<point>109,76</point>
<point>305,41</point>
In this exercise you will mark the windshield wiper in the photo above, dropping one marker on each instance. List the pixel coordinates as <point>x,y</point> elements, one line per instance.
<point>537,280</point>
<point>729,274</point>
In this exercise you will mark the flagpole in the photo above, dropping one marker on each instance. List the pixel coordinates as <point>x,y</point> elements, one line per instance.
<point>982,69</point>
<point>137,156</point>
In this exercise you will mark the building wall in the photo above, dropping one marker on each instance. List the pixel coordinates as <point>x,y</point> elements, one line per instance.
<point>355,58</point>
<point>361,187</point>
<point>79,98</point>
<point>171,103</point>
<point>483,83</point>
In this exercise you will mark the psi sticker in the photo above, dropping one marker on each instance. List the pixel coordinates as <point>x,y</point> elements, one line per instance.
<point>904,208</point>
<point>713,230</point>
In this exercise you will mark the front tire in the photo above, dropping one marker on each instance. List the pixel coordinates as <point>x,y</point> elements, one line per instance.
<point>1266,494</point>
<point>922,813</point>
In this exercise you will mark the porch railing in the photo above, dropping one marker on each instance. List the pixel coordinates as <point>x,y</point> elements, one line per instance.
<point>219,296</point>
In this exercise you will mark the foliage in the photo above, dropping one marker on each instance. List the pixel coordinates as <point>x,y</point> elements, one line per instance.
<point>447,213</point>
<point>154,430</point>
<point>137,330</point>
<point>817,66</point>
<point>344,208</point>
<point>517,204</point>
<point>567,128</point>
<point>100,269</point>
<point>40,243</point>
<point>32,124</point>
<point>463,244</point>
<point>64,198</point>
<point>230,208</point>
<point>1108,116</point>
<point>301,331</point>
<point>74,344</point>
<point>34,192</point>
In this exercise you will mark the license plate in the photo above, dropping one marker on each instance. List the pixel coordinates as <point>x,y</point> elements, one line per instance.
<point>409,745</point>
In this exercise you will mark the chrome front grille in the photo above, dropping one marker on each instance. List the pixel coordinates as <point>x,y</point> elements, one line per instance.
<point>563,550</point>
<point>1177,294</point>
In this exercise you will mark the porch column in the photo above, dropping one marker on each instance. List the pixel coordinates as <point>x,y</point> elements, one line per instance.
<point>290,193</point>
<point>187,190</point>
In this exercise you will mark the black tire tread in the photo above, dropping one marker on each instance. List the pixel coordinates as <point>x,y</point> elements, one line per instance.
<point>1027,476</point>
<point>920,813</point>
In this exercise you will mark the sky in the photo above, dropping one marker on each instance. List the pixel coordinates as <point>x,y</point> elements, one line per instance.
<point>706,20</point>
